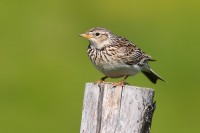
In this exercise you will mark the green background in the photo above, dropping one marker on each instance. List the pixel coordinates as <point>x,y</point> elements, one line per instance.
<point>44,65</point>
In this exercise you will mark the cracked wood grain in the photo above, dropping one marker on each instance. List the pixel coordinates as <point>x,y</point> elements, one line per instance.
<point>108,109</point>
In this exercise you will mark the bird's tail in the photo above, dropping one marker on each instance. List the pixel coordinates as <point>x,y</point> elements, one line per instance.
<point>152,76</point>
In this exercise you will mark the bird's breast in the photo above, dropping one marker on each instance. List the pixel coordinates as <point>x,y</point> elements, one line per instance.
<point>109,63</point>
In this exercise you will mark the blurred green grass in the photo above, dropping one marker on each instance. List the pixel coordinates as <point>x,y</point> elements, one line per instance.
<point>44,66</point>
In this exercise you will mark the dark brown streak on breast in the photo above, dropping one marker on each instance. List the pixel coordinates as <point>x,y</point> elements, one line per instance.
<point>105,57</point>
<point>107,52</point>
<point>100,55</point>
<point>95,55</point>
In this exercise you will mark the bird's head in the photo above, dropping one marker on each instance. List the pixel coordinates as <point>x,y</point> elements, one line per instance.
<point>98,37</point>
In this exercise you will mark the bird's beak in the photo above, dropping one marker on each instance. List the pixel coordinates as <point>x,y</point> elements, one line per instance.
<point>86,36</point>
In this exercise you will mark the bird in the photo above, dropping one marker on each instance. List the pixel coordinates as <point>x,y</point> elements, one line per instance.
<point>117,57</point>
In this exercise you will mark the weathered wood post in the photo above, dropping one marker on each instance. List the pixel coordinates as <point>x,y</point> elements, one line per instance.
<point>108,109</point>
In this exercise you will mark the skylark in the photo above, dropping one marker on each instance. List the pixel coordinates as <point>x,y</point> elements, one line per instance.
<point>116,57</point>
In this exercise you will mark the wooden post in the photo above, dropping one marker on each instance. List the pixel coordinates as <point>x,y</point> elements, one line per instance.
<point>108,109</point>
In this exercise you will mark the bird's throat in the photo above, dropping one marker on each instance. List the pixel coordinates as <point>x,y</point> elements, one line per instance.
<point>99,45</point>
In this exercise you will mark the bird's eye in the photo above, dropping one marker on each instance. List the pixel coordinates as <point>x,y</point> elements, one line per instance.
<point>97,34</point>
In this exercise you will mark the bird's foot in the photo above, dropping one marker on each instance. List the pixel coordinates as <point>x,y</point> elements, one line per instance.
<point>99,81</point>
<point>121,83</point>
<point>102,80</point>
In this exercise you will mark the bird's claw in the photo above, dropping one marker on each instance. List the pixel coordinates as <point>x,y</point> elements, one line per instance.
<point>121,83</point>
<point>99,81</point>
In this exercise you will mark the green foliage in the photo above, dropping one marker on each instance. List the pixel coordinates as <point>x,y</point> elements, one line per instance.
<point>44,65</point>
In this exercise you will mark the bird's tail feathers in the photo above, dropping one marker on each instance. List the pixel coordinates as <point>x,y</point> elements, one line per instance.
<point>152,76</point>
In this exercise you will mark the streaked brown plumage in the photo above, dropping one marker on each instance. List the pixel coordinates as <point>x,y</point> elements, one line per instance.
<point>117,57</point>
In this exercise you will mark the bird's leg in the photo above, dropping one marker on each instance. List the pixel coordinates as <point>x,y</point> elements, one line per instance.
<point>121,83</point>
<point>101,80</point>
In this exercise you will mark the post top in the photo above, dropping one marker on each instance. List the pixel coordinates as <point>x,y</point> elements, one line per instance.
<point>109,85</point>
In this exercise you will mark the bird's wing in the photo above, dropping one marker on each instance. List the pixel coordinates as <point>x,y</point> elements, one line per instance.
<point>131,54</point>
